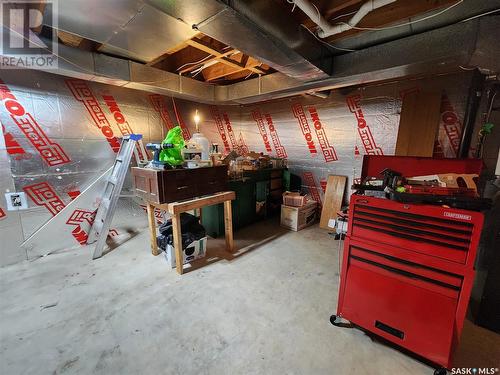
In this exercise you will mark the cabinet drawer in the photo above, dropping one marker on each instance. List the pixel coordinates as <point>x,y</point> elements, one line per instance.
<point>411,316</point>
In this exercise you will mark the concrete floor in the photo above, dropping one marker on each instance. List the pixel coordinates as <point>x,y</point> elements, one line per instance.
<point>265,311</point>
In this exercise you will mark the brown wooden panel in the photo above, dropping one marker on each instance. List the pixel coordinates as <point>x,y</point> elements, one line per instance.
<point>332,203</point>
<point>418,124</point>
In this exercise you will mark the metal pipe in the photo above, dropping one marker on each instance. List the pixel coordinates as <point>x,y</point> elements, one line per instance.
<point>326,29</point>
<point>473,101</point>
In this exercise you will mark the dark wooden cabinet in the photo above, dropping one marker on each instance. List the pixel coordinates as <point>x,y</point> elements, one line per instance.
<point>178,184</point>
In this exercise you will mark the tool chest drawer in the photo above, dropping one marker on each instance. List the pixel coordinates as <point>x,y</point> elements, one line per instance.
<point>401,309</point>
<point>440,232</point>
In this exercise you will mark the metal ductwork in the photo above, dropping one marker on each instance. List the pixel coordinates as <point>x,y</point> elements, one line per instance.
<point>128,28</point>
<point>439,51</point>
<point>259,29</point>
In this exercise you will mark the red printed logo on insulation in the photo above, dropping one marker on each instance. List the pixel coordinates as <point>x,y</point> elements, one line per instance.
<point>43,194</point>
<point>310,183</point>
<point>13,147</point>
<point>364,131</point>
<point>78,217</point>
<point>50,151</point>
<point>328,151</point>
<point>280,149</point>
<point>262,129</point>
<point>2,214</point>
<point>451,123</point>
<point>220,127</point>
<point>157,212</point>
<point>299,114</point>
<point>229,129</point>
<point>185,131</point>
<point>121,122</point>
<point>243,146</point>
<point>82,92</point>
<point>160,107</point>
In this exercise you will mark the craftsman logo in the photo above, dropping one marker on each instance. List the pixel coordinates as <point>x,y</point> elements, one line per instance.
<point>20,46</point>
<point>474,370</point>
<point>78,217</point>
<point>328,150</point>
<point>121,122</point>
<point>450,122</point>
<point>280,149</point>
<point>82,92</point>
<point>160,107</point>
<point>262,129</point>
<point>310,183</point>
<point>454,215</point>
<point>364,131</point>
<point>220,127</point>
<point>43,194</point>
<point>50,151</point>
<point>299,114</point>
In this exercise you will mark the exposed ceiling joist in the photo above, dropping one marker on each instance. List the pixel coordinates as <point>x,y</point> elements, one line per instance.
<point>247,64</point>
<point>210,60</point>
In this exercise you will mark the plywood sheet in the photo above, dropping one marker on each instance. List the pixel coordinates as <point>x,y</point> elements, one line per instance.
<point>334,194</point>
<point>418,124</point>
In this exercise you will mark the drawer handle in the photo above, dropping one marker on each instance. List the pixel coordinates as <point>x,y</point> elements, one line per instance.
<point>405,273</point>
<point>390,330</point>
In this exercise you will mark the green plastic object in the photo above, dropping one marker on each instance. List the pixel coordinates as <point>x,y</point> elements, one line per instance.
<point>400,189</point>
<point>173,156</point>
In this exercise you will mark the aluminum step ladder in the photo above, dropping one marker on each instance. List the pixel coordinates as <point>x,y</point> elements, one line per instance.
<point>106,210</point>
<point>140,154</point>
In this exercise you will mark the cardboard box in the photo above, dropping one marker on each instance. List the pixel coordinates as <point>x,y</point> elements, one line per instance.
<point>195,250</point>
<point>293,199</point>
<point>297,218</point>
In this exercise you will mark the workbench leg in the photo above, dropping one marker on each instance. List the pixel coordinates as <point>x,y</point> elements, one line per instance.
<point>152,228</point>
<point>176,230</point>
<point>228,225</point>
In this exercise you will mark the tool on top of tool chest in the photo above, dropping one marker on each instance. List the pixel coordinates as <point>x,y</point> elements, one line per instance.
<point>451,189</point>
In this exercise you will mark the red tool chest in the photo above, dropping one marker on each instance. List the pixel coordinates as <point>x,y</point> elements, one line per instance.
<point>408,269</point>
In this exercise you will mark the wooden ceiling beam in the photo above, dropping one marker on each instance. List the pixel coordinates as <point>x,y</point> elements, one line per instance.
<point>202,46</point>
<point>217,57</point>
<point>229,67</point>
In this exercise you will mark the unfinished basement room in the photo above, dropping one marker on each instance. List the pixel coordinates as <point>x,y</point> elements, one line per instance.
<point>254,187</point>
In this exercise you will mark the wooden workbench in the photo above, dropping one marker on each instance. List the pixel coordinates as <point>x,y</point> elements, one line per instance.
<point>176,208</point>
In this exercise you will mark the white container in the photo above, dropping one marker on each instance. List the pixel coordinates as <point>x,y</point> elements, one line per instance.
<point>196,250</point>
<point>203,144</point>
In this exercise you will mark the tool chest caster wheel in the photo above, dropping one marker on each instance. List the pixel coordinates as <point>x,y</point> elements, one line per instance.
<point>440,371</point>
<point>333,319</point>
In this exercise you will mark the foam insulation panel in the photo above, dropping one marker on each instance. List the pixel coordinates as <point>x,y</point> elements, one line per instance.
<point>59,135</point>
